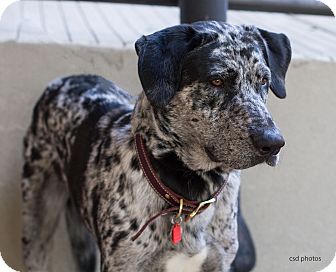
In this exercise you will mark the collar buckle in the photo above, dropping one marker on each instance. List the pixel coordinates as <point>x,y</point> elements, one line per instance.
<point>202,204</point>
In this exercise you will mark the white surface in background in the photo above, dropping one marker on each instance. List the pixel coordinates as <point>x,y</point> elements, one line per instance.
<point>332,5</point>
<point>331,267</point>
<point>4,4</point>
<point>4,267</point>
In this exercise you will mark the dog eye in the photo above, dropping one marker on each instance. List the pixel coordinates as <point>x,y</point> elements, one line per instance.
<point>217,82</point>
<point>263,81</point>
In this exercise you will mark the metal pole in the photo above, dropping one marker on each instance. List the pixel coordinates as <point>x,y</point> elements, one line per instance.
<point>200,10</point>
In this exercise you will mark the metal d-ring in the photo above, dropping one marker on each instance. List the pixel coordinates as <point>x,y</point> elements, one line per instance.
<point>176,220</point>
<point>207,202</point>
<point>180,209</point>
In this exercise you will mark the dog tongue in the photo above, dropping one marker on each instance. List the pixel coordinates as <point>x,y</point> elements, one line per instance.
<point>272,161</point>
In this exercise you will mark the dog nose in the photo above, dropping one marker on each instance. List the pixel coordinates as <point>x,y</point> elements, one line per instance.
<point>268,142</point>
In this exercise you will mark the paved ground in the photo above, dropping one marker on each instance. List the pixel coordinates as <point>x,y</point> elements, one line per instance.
<point>118,25</point>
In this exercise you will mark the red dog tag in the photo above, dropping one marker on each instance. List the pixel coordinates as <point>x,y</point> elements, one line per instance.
<point>176,233</point>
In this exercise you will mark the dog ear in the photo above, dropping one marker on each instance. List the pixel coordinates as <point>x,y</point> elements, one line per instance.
<point>278,53</point>
<point>160,60</point>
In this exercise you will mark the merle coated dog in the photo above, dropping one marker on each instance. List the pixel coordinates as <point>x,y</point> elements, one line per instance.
<point>203,117</point>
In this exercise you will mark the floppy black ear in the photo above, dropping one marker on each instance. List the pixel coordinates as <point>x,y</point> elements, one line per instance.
<point>160,60</point>
<point>278,53</point>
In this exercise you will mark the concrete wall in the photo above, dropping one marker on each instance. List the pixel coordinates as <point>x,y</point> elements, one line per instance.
<point>290,209</point>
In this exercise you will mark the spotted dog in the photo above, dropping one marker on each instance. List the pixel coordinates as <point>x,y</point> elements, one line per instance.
<point>203,117</point>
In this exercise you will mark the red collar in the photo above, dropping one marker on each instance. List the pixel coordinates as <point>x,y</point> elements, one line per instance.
<point>177,204</point>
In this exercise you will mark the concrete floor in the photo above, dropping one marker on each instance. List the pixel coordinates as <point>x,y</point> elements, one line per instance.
<point>290,209</point>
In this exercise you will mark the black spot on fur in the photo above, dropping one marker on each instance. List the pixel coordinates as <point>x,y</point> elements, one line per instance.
<point>27,170</point>
<point>163,128</point>
<point>25,240</point>
<point>117,238</point>
<point>232,35</point>
<point>99,151</point>
<point>152,227</point>
<point>125,120</point>
<point>94,211</point>
<point>25,143</point>
<point>121,185</point>
<point>122,177</point>
<point>57,168</point>
<point>35,155</point>
<point>212,102</point>
<point>87,104</point>
<point>35,118</point>
<point>61,151</point>
<point>119,113</point>
<point>131,142</point>
<point>246,52</point>
<point>116,220</point>
<point>135,163</point>
<point>107,234</point>
<point>134,224</point>
<point>107,142</point>
<point>108,161</point>
<point>116,158</point>
<point>122,204</point>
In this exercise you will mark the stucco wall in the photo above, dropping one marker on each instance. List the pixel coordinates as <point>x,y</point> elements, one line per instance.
<point>290,209</point>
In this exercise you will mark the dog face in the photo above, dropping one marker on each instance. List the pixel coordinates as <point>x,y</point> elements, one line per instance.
<point>208,83</point>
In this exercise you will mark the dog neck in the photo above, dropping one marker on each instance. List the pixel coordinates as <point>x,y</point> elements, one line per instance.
<point>163,152</point>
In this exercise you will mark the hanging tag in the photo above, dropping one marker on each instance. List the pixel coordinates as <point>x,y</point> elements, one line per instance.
<point>176,231</point>
<point>176,234</point>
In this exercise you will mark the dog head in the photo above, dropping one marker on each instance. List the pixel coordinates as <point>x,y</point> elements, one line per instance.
<point>208,84</point>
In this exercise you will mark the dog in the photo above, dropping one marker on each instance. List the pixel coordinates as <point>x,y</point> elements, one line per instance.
<point>201,119</point>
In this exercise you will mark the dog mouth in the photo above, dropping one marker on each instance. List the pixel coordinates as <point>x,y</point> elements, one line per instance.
<point>212,157</point>
<point>273,160</point>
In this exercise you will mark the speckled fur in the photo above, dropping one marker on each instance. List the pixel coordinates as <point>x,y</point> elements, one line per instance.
<point>79,153</point>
